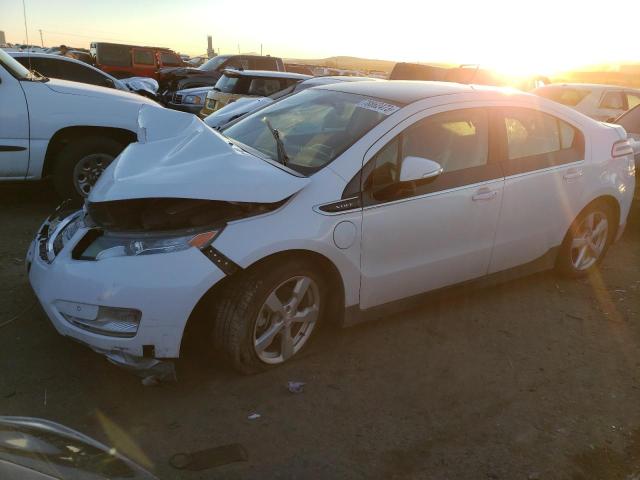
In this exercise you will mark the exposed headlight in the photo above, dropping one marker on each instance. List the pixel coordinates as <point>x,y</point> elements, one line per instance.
<point>114,245</point>
<point>192,99</point>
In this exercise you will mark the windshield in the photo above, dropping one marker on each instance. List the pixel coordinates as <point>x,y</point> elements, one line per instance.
<point>14,68</point>
<point>213,63</point>
<point>315,126</point>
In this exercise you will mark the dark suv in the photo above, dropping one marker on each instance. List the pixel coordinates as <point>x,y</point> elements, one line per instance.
<point>207,74</point>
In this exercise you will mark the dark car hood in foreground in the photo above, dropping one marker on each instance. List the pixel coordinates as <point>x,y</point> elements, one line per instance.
<point>178,156</point>
<point>37,449</point>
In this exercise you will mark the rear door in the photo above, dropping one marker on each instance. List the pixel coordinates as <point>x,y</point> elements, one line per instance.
<point>144,62</point>
<point>542,158</point>
<point>14,128</point>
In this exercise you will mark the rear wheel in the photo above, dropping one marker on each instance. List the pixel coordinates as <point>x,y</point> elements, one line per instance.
<point>80,164</point>
<point>269,315</point>
<point>587,241</point>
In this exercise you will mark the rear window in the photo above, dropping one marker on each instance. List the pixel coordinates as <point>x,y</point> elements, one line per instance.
<point>566,96</point>
<point>263,63</point>
<point>116,55</point>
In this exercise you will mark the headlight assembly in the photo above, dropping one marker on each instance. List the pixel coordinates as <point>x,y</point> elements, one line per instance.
<point>111,245</point>
<point>192,99</point>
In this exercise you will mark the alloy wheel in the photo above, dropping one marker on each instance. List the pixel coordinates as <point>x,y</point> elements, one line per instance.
<point>88,170</point>
<point>590,240</point>
<point>286,319</point>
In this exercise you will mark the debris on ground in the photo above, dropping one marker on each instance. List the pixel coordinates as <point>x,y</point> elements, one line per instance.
<point>295,387</point>
<point>150,381</point>
<point>209,458</point>
<point>253,416</point>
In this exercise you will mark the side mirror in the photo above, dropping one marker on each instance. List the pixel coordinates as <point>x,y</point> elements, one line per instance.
<point>418,168</point>
<point>109,83</point>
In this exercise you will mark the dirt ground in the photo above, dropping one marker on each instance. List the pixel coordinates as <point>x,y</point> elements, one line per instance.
<point>535,379</point>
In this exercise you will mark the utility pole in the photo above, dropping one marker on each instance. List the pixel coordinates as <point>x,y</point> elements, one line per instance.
<point>260,49</point>
<point>238,48</point>
<point>41,40</point>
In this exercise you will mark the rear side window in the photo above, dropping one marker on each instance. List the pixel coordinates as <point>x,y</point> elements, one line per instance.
<point>264,86</point>
<point>633,100</point>
<point>536,140</point>
<point>263,63</point>
<point>630,121</point>
<point>143,57</point>
<point>114,55</point>
<point>566,96</point>
<point>613,100</point>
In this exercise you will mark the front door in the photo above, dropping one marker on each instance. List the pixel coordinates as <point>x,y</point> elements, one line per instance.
<point>429,234</point>
<point>14,128</point>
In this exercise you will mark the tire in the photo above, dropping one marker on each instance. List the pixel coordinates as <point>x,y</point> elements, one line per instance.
<point>585,234</point>
<point>98,152</point>
<point>242,315</point>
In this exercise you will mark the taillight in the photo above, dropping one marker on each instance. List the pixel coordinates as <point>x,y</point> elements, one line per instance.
<point>621,149</point>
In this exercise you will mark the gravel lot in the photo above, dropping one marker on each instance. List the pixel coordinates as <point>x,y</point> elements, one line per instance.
<point>538,378</point>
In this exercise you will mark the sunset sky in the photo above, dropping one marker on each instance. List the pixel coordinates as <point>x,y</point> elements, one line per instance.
<point>516,36</point>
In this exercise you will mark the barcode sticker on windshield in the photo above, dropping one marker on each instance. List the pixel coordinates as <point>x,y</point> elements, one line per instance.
<point>378,106</point>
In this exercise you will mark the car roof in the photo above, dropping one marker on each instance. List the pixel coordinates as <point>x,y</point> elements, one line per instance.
<point>409,91</point>
<point>267,73</point>
<point>587,86</point>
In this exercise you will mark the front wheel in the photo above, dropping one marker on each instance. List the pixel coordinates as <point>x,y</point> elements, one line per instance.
<point>587,241</point>
<point>266,317</point>
<point>80,164</point>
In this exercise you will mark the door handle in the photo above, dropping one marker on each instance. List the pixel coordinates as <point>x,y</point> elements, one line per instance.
<point>572,174</point>
<point>484,194</point>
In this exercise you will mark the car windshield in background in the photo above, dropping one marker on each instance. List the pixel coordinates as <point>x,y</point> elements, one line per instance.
<point>566,96</point>
<point>14,67</point>
<point>214,63</point>
<point>315,126</point>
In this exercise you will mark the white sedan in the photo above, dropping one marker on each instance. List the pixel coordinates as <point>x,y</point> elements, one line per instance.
<point>341,203</point>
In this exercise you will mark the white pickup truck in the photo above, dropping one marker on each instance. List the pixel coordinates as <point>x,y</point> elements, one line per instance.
<point>66,130</point>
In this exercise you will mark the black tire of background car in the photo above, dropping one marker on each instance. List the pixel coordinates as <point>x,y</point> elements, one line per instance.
<point>564,266</point>
<point>237,310</point>
<point>71,154</point>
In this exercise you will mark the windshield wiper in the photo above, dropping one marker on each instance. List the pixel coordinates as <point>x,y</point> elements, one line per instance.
<point>283,158</point>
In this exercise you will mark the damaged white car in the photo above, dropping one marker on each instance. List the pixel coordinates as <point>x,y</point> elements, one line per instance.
<point>339,203</point>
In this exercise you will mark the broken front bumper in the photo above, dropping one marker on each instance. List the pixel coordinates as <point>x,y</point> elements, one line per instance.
<point>164,288</point>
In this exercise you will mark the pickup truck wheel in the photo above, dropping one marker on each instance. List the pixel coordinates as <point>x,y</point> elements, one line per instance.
<point>267,316</point>
<point>80,163</point>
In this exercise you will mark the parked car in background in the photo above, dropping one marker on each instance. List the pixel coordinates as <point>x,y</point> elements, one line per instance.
<point>174,79</point>
<point>189,99</point>
<point>341,203</point>
<point>236,84</point>
<point>246,105</point>
<point>600,102</point>
<point>65,68</point>
<point>124,61</point>
<point>65,130</point>
<point>630,121</point>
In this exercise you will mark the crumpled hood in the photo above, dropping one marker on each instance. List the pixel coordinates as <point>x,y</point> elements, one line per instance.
<point>240,107</point>
<point>93,91</point>
<point>178,156</point>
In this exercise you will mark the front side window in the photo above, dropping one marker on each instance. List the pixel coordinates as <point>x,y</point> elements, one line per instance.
<point>613,101</point>
<point>315,126</point>
<point>458,140</point>
<point>143,57</point>
<point>228,84</point>
<point>79,73</point>
<point>170,60</point>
